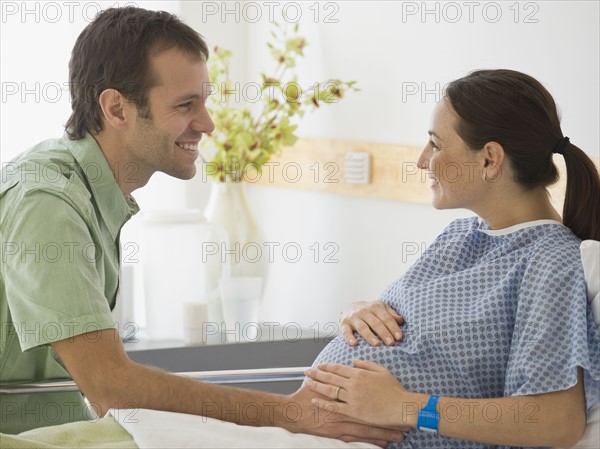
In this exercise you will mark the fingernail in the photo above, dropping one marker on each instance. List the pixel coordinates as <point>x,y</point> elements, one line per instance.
<point>352,342</point>
<point>389,340</point>
<point>398,335</point>
<point>374,342</point>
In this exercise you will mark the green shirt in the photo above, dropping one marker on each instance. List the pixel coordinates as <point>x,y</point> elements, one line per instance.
<point>61,213</point>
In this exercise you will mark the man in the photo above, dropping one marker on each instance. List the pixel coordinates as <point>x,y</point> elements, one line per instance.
<point>139,83</point>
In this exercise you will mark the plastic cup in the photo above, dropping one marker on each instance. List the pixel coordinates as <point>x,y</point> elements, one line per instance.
<point>240,297</point>
<point>195,314</point>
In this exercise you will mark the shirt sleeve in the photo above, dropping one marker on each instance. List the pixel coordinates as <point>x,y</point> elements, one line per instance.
<point>554,330</point>
<point>53,272</point>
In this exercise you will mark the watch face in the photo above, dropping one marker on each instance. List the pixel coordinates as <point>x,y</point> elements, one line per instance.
<point>428,430</point>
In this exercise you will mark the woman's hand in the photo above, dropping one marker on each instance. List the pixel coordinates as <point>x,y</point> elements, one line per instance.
<point>369,393</point>
<point>308,418</point>
<point>371,319</point>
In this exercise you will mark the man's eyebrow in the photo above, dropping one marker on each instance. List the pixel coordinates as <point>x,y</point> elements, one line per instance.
<point>187,97</point>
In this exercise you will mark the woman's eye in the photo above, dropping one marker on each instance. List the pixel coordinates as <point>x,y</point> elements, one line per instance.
<point>186,106</point>
<point>434,146</point>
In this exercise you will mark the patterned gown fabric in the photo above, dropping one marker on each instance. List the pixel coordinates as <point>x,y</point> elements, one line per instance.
<point>489,314</point>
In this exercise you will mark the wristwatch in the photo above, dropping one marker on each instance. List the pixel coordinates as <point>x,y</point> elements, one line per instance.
<point>429,418</point>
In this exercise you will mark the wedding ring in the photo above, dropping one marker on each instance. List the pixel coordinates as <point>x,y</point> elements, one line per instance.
<point>337,393</point>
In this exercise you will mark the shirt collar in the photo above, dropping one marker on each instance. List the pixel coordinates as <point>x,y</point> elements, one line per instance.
<point>485,227</point>
<point>114,207</point>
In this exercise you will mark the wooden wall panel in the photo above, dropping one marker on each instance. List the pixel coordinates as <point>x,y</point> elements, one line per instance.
<point>318,165</point>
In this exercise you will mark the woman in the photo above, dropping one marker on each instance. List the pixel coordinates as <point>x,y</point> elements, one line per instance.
<point>499,342</point>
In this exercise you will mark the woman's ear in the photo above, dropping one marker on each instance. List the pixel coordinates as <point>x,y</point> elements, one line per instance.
<point>493,155</point>
<point>114,108</point>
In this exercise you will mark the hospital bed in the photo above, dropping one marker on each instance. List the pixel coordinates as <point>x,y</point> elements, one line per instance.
<point>250,377</point>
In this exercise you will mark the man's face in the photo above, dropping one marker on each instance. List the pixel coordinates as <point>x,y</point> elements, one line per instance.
<point>168,142</point>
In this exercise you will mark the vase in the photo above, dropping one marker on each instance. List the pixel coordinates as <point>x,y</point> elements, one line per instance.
<point>228,207</point>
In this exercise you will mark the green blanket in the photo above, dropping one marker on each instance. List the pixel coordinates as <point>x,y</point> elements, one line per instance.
<point>103,433</point>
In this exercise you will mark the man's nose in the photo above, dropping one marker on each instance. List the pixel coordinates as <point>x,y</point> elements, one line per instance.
<point>203,122</point>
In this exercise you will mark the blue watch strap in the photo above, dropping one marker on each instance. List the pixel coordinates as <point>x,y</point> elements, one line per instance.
<point>429,418</point>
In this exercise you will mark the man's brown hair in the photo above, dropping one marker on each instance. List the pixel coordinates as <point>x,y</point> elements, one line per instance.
<point>113,52</point>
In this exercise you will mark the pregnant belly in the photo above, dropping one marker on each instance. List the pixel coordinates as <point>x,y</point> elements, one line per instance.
<point>428,370</point>
<point>461,366</point>
<point>420,372</point>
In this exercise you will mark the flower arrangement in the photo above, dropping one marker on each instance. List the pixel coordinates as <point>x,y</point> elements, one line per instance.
<point>245,141</point>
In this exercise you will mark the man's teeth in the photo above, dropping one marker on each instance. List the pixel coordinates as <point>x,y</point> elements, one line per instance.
<point>188,146</point>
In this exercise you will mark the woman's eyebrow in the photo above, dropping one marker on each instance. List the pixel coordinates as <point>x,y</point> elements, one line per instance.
<point>432,133</point>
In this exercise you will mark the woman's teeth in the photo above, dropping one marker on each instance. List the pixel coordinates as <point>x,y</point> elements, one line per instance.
<point>187,146</point>
<point>432,179</point>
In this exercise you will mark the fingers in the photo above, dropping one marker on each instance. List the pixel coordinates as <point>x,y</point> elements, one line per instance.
<point>362,325</point>
<point>343,371</point>
<point>371,434</point>
<point>355,431</point>
<point>374,321</point>
<point>349,439</point>
<point>368,365</point>
<point>348,334</point>
<point>326,383</point>
<point>328,405</point>
<point>386,323</point>
<point>353,439</point>
<point>399,318</point>
<point>332,392</point>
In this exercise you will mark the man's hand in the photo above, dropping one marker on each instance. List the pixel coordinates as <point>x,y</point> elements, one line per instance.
<point>371,319</point>
<point>329,423</point>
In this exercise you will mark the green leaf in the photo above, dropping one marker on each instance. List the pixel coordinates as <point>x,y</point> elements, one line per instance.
<point>247,135</point>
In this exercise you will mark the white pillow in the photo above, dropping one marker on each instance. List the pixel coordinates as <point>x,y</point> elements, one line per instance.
<point>590,256</point>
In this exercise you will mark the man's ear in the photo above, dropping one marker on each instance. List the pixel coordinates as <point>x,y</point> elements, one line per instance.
<point>115,108</point>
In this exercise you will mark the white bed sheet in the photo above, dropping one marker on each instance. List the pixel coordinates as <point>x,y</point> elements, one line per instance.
<point>153,429</point>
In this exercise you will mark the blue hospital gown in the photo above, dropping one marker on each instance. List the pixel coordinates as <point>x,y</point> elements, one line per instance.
<point>489,314</point>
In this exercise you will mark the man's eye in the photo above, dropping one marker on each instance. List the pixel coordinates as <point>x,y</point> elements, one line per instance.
<point>187,105</point>
<point>433,145</point>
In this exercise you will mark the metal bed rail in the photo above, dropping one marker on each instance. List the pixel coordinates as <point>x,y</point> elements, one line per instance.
<point>241,376</point>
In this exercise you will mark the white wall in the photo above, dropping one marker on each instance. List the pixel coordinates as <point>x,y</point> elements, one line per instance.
<point>390,50</point>
<point>387,50</point>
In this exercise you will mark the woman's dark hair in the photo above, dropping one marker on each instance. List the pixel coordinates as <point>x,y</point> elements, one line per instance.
<point>114,52</point>
<point>515,110</point>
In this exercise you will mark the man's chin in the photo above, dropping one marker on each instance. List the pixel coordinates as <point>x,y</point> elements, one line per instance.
<point>183,174</point>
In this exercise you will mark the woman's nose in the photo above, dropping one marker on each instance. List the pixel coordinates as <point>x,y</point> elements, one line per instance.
<point>423,161</point>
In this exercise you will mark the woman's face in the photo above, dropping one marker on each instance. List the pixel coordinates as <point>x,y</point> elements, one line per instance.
<point>455,171</point>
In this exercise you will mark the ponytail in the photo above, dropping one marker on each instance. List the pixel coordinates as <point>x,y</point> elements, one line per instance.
<point>582,198</point>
